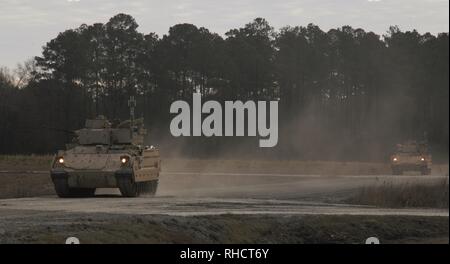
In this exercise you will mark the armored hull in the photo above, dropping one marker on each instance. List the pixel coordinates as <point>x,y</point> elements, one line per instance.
<point>411,156</point>
<point>106,157</point>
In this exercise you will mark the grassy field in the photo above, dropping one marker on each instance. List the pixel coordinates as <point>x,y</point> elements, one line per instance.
<point>35,162</point>
<point>20,162</point>
<point>27,184</point>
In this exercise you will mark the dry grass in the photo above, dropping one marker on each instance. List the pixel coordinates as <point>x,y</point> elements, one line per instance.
<point>433,195</point>
<point>25,162</point>
<point>21,184</point>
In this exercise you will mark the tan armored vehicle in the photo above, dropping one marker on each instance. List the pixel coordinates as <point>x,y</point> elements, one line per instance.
<point>411,156</point>
<point>107,156</point>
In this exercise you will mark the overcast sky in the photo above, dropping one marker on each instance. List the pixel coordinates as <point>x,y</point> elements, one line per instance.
<point>26,25</point>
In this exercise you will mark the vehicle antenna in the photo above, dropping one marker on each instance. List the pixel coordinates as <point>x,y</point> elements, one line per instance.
<point>131,104</point>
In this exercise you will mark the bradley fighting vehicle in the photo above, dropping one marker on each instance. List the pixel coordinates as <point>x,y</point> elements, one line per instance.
<point>105,155</point>
<point>411,156</point>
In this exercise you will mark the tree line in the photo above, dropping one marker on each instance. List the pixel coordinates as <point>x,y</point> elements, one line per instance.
<point>344,93</point>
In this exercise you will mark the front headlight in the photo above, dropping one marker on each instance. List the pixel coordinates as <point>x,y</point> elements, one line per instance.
<point>394,159</point>
<point>124,160</point>
<point>60,160</point>
<point>422,159</point>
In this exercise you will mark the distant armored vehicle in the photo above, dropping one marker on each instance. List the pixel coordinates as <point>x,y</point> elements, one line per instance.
<point>411,156</point>
<point>107,156</point>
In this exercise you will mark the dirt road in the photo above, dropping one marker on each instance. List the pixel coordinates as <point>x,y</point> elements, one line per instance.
<point>276,186</point>
<point>187,193</point>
